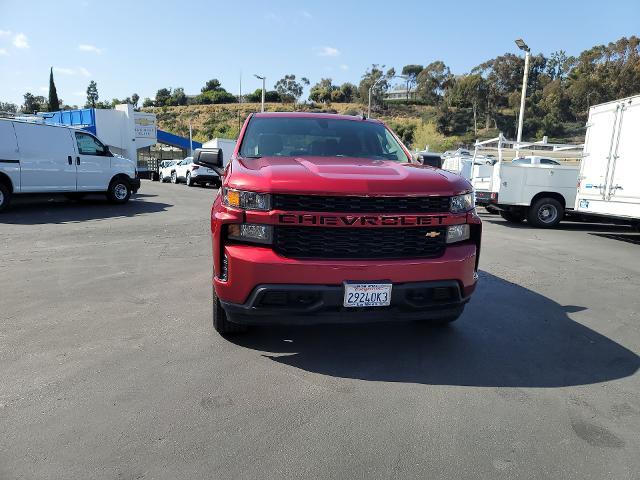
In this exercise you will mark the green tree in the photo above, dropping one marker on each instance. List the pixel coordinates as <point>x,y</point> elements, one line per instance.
<point>289,89</point>
<point>8,107</point>
<point>92,95</point>
<point>432,82</point>
<point>135,98</point>
<point>322,91</point>
<point>411,73</point>
<point>375,75</point>
<point>163,97</point>
<point>212,85</point>
<point>469,91</point>
<point>178,97</point>
<point>349,92</point>
<point>34,104</point>
<point>54,102</point>
<point>147,102</point>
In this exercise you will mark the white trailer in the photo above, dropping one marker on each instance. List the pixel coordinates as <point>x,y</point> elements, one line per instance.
<point>227,146</point>
<point>609,178</point>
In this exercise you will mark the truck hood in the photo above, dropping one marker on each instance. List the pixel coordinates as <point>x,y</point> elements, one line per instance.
<point>341,176</point>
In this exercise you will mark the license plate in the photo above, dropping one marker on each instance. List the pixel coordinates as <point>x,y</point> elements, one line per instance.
<point>209,170</point>
<point>367,294</point>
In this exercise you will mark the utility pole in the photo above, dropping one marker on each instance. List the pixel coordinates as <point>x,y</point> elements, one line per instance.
<point>525,78</point>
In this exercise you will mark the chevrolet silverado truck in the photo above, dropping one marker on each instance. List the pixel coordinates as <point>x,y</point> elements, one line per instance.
<point>328,218</point>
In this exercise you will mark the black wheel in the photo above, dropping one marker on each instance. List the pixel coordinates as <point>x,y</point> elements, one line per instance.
<point>513,217</point>
<point>188,180</point>
<point>5,197</point>
<point>119,191</point>
<point>174,177</point>
<point>545,213</point>
<point>491,209</point>
<point>220,322</point>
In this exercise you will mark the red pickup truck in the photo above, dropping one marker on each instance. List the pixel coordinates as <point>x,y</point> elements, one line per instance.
<point>328,218</point>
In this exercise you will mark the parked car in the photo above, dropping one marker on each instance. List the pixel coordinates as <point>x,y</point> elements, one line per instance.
<point>535,160</point>
<point>41,158</point>
<point>307,227</point>
<point>164,170</point>
<point>186,171</point>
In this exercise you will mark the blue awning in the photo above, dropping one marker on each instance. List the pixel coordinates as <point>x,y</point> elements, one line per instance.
<point>175,140</point>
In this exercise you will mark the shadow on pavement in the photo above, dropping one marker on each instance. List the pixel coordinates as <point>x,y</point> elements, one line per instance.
<point>565,225</point>
<point>41,209</point>
<point>622,237</point>
<point>508,337</point>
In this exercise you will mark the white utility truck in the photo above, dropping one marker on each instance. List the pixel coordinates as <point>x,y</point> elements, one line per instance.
<point>40,158</point>
<point>609,178</point>
<point>537,188</point>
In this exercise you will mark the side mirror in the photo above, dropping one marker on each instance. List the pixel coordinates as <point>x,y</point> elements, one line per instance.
<point>210,158</point>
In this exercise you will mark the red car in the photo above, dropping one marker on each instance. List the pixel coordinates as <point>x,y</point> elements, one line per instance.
<point>328,218</point>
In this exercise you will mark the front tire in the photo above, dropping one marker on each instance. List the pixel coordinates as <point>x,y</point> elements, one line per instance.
<point>545,213</point>
<point>119,191</point>
<point>220,322</point>
<point>5,197</point>
<point>188,180</point>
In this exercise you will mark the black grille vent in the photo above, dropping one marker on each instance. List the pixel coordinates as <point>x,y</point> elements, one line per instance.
<point>315,203</point>
<point>359,243</point>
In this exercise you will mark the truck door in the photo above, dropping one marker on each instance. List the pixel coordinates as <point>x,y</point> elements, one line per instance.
<point>46,158</point>
<point>598,150</point>
<point>9,158</point>
<point>624,174</point>
<point>93,162</point>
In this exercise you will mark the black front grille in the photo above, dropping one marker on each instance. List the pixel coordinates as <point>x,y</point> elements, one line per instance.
<point>317,203</point>
<point>359,243</point>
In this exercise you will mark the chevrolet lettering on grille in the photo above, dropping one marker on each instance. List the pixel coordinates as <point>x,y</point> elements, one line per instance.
<point>360,220</point>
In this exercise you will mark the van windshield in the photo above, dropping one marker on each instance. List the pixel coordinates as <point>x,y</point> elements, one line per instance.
<point>320,137</point>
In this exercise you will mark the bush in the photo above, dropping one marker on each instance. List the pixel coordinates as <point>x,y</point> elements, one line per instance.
<point>216,96</point>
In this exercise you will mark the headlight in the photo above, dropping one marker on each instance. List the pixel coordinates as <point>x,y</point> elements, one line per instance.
<point>246,200</point>
<point>458,233</point>
<point>250,232</point>
<point>462,203</point>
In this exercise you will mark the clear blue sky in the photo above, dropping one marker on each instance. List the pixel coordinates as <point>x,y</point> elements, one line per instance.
<point>140,46</point>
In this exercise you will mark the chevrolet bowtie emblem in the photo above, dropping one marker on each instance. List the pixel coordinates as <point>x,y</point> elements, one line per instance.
<point>432,234</point>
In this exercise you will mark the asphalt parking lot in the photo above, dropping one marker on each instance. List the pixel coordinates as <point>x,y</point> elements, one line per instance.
<point>111,370</point>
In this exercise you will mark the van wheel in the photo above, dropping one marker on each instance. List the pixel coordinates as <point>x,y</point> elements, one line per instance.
<point>513,217</point>
<point>188,180</point>
<point>220,322</point>
<point>119,191</point>
<point>5,197</point>
<point>545,213</point>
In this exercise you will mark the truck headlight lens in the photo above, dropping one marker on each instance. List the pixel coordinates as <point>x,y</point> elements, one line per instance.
<point>246,200</point>
<point>462,203</point>
<point>250,232</point>
<point>458,233</point>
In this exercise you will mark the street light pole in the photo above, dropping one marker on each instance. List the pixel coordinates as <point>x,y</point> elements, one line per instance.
<point>525,78</point>
<point>263,78</point>
<point>190,139</point>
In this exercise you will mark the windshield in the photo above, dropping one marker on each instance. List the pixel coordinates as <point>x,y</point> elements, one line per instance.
<point>322,137</point>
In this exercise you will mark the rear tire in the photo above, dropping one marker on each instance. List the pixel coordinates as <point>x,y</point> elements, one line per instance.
<point>119,191</point>
<point>174,178</point>
<point>188,180</point>
<point>512,217</point>
<point>220,323</point>
<point>545,213</point>
<point>5,197</point>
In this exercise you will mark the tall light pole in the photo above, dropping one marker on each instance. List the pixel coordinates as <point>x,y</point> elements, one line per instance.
<point>527,53</point>
<point>190,138</point>
<point>263,81</point>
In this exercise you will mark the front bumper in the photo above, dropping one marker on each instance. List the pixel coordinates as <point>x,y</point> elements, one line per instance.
<point>205,177</point>
<point>134,183</point>
<point>313,304</point>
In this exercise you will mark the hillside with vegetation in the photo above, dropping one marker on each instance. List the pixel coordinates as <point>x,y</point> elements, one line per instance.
<point>443,110</point>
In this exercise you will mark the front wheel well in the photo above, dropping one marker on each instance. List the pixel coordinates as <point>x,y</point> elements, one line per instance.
<point>5,180</point>
<point>122,176</point>
<point>555,195</point>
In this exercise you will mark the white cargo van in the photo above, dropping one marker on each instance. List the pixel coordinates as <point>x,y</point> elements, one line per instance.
<point>609,179</point>
<point>41,158</point>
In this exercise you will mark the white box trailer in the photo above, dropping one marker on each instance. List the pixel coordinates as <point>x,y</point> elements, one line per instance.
<point>609,178</point>
<point>227,146</point>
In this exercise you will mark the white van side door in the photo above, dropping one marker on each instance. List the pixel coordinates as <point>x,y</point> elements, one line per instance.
<point>9,158</point>
<point>93,162</point>
<point>46,158</point>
